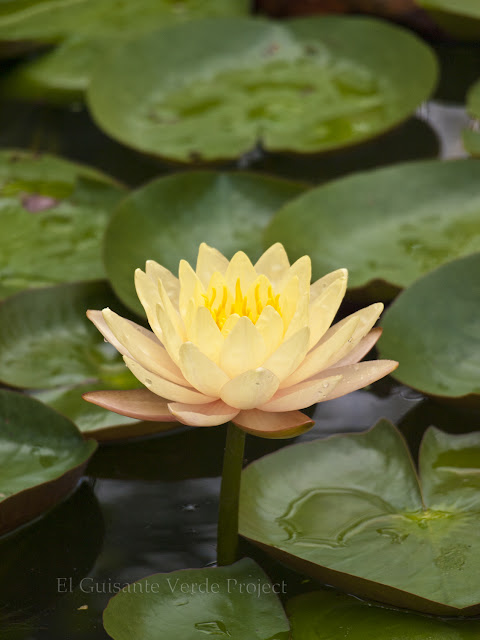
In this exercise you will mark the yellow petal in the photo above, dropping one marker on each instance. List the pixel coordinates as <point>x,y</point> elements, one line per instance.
<point>289,354</point>
<point>170,338</point>
<point>301,317</point>
<point>156,272</point>
<point>205,334</point>
<point>99,321</point>
<point>363,347</point>
<point>288,301</point>
<point>202,415</point>
<point>250,389</point>
<point>230,322</point>
<point>164,388</point>
<point>243,349</point>
<point>365,319</point>
<point>240,268</point>
<point>149,296</point>
<point>302,268</point>
<point>273,263</point>
<point>209,260</point>
<point>302,395</point>
<point>323,353</point>
<point>134,403</point>
<point>287,424</point>
<point>357,376</point>
<point>270,327</point>
<point>144,347</point>
<point>325,306</point>
<point>203,374</point>
<point>191,287</point>
<point>320,285</point>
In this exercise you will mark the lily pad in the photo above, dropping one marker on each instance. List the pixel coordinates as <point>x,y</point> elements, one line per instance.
<point>169,218</point>
<point>391,224</point>
<point>434,328</point>
<point>89,32</point>
<point>237,601</point>
<point>42,455</point>
<point>46,342</point>
<point>327,615</point>
<point>305,85</point>
<point>459,18</point>
<point>53,214</point>
<point>471,137</point>
<point>351,511</point>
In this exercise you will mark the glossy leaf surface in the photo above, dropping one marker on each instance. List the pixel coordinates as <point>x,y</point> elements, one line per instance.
<point>351,512</point>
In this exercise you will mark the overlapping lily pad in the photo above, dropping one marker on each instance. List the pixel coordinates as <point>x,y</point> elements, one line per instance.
<point>351,511</point>
<point>459,18</point>
<point>46,342</point>
<point>388,225</point>
<point>237,601</point>
<point>305,85</point>
<point>471,137</point>
<point>42,457</point>
<point>434,328</point>
<point>53,214</point>
<point>88,30</point>
<point>169,218</point>
<point>328,615</point>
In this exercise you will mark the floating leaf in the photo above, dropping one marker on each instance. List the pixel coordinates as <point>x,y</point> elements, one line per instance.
<point>237,601</point>
<point>46,342</point>
<point>434,328</point>
<point>392,224</point>
<point>306,85</point>
<point>53,214</point>
<point>350,511</point>
<point>169,218</point>
<point>90,32</point>
<point>42,456</point>
<point>459,18</point>
<point>327,615</point>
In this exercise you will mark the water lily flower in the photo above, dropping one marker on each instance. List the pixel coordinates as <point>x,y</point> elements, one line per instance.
<point>233,341</point>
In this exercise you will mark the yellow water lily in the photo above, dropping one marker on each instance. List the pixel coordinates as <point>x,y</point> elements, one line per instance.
<point>233,341</point>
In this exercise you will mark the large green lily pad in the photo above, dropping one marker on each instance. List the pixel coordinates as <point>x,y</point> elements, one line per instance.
<point>169,218</point>
<point>392,224</point>
<point>305,85</point>
<point>42,457</point>
<point>351,512</point>
<point>49,20</point>
<point>327,615</point>
<point>53,214</point>
<point>471,137</point>
<point>46,342</point>
<point>434,329</point>
<point>90,28</point>
<point>237,601</point>
<point>459,18</point>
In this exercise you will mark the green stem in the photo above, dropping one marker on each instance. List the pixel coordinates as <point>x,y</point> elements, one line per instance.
<point>227,543</point>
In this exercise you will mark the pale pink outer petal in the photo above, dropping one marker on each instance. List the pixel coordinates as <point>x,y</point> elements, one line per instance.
<point>363,347</point>
<point>202,415</point>
<point>250,389</point>
<point>286,424</point>
<point>357,376</point>
<point>165,388</point>
<point>302,395</point>
<point>134,403</point>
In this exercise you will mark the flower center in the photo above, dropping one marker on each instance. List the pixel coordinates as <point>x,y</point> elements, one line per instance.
<point>222,303</point>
